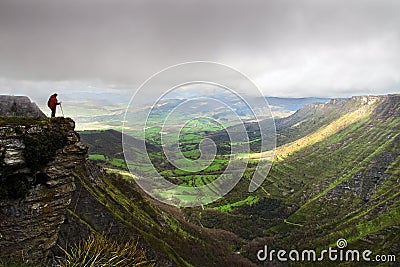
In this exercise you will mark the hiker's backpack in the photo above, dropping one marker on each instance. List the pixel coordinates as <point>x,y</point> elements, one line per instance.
<point>48,102</point>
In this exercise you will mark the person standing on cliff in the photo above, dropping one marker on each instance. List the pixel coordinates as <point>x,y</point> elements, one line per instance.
<point>52,104</point>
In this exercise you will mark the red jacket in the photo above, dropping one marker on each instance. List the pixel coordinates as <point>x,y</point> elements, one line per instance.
<point>53,102</point>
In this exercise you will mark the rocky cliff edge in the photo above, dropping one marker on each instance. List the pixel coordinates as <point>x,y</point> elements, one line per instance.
<point>37,157</point>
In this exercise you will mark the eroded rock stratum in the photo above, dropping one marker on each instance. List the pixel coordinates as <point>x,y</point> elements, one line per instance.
<point>37,157</point>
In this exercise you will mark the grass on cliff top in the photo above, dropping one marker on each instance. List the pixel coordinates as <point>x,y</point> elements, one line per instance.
<point>25,121</point>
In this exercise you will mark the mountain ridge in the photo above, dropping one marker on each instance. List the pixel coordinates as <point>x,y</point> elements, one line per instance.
<point>343,186</point>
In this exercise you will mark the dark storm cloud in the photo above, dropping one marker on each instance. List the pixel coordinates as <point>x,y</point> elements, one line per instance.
<point>288,47</point>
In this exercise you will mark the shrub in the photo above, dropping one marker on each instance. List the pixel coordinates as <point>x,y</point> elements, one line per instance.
<point>100,251</point>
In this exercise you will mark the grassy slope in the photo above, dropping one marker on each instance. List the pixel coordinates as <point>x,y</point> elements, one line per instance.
<point>323,132</point>
<point>311,118</point>
<point>162,228</point>
<point>347,184</point>
<point>302,123</point>
<point>340,182</point>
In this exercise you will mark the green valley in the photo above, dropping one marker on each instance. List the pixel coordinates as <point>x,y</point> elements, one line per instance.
<point>335,176</point>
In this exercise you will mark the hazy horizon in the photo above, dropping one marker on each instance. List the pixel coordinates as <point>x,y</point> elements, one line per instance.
<point>113,100</point>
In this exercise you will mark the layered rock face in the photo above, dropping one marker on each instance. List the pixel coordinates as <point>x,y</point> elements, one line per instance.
<point>36,162</point>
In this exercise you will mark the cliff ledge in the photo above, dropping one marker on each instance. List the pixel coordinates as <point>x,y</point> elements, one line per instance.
<point>37,156</point>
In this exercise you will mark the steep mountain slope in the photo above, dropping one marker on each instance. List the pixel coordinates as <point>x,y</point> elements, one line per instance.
<point>352,180</point>
<point>105,203</point>
<point>313,116</point>
<point>301,123</point>
<point>341,183</point>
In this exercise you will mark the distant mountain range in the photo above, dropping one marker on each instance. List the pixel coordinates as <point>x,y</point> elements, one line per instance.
<point>101,113</point>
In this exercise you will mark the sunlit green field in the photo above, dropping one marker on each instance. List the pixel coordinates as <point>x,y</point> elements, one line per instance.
<point>188,137</point>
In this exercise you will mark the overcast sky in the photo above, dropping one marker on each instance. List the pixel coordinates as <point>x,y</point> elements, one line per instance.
<point>289,48</point>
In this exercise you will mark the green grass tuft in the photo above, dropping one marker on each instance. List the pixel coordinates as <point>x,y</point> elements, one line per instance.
<point>100,251</point>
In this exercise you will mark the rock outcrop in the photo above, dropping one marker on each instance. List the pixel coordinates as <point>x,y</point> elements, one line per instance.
<point>11,106</point>
<point>37,158</point>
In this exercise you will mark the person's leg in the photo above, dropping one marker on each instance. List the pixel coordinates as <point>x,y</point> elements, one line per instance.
<point>53,113</point>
